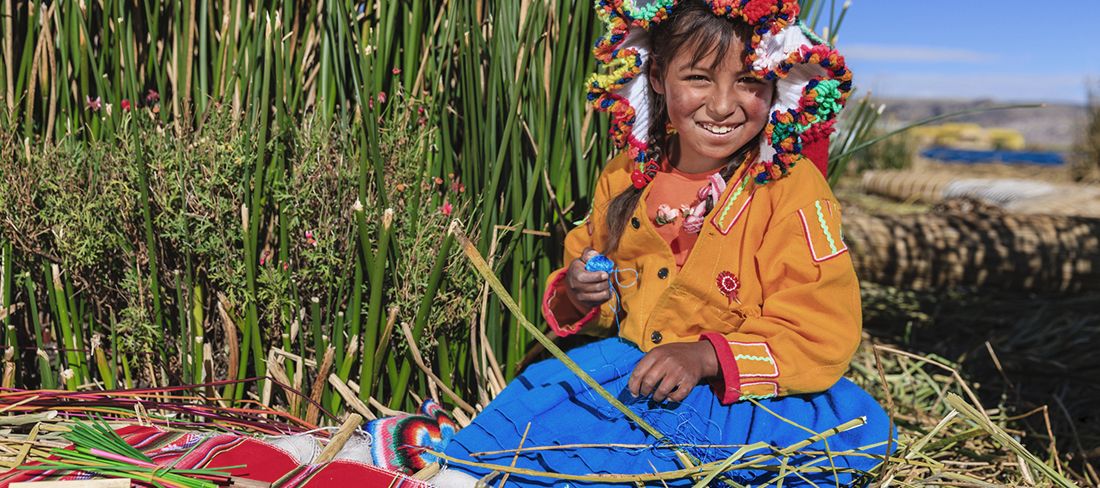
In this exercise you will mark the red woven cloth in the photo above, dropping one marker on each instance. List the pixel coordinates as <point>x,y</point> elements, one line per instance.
<point>263,462</point>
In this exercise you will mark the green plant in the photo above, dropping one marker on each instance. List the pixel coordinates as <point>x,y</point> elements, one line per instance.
<point>1087,161</point>
<point>893,153</point>
<point>279,174</point>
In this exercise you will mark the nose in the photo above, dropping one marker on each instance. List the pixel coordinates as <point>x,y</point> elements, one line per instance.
<point>723,102</point>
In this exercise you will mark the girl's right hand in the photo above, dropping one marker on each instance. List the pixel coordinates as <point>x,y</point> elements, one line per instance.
<point>586,289</point>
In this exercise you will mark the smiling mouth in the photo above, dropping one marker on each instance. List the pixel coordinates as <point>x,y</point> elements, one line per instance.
<point>717,129</point>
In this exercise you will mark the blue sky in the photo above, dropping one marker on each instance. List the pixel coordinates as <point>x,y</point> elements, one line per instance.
<point>1006,50</point>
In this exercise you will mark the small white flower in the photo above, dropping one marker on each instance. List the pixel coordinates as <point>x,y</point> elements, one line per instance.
<point>666,214</point>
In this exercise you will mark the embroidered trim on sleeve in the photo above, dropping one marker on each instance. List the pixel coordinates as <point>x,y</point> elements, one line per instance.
<point>819,229</point>
<point>724,218</point>
<point>759,390</point>
<point>754,359</point>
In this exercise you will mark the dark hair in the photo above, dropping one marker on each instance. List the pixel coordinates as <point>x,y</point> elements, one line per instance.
<point>692,23</point>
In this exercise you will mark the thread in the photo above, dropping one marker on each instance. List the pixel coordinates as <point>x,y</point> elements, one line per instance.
<point>603,263</point>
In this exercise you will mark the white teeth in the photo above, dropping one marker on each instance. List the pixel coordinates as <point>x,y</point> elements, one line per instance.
<point>716,129</point>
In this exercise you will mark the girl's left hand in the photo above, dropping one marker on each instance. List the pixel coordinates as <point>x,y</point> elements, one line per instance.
<point>672,370</point>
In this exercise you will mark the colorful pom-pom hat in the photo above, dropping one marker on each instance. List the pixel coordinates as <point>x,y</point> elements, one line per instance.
<point>812,80</point>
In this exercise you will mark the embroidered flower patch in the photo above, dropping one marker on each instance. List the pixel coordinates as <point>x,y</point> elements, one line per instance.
<point>729,285</point>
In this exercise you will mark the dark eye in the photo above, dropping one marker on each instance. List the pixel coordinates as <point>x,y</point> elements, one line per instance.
<point>752,80</point>
<point>696,77</point>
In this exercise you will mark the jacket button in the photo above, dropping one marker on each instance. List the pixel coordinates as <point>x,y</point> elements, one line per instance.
<point>662,273</point>
<point>655,337</point>
<point>635,223</point>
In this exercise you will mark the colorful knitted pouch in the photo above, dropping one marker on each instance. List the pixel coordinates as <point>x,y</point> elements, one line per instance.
<point>398,441</point>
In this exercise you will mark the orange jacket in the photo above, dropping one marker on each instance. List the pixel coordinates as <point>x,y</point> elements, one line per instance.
<point>769,283</point>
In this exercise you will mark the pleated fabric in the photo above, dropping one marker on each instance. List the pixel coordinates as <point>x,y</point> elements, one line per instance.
<point>563,411</point>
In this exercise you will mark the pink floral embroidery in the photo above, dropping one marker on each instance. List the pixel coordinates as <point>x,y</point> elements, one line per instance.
<point>694,213</point>
<point>666,214</point>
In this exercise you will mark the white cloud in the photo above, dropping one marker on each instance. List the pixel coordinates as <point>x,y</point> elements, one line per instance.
<point>913,54</point>
<point>1022,87</point>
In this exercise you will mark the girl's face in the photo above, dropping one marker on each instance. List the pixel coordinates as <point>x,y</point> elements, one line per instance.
<point>715,105</point>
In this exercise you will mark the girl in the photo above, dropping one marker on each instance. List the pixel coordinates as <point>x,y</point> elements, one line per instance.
<point>730,279</point>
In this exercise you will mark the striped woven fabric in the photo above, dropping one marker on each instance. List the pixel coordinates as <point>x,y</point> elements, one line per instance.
<point>262,462</point>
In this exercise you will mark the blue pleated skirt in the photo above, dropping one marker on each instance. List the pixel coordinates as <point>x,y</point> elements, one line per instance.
<point>563,411</point>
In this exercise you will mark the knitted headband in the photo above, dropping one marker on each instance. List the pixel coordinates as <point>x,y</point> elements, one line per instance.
<point>812,80</point>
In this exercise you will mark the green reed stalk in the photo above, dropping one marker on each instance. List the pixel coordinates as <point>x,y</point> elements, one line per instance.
<point>835,27</point>
<point>150,242</point>
<point>197,337</point>
<point>342,50</point>
<point>186,359</point>
<point>202,88</point>
<point>127,378</point>
<point>95,68</point>
<point>374,308</point>
<point>26,64</point>
<point>524,189</point>
<point>858,123</point>
<point>325,87</point>
<point>536,109</point>
<point>435,278</point>
<point>222,65</point>
<point>334,401</point>
<point>111,324</point>
<point>446,364</point>
<point>76,322</point>
<point>183,47</point>
<point>338,339</point>
<point>253,340</point>
<point>71,58</point>
<point>128,54</point>
<point>15,83</point>
<point>7,270</point>
<point>6,90</point>
<point>411,48</point>
<point>380,355</point>
<point>71,111</point>
<point>45,372</point>
<point>810,12</point>
<point>59,307</point>
<point>315,326</point>
<point>105,370</point>
<point>353,318</point>
<point>283,126</point>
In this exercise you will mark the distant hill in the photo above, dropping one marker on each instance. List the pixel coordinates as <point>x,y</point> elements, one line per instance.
<point>1054,126</point>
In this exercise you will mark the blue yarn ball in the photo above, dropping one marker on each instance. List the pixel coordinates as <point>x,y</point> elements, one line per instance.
<point>599,262</point>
